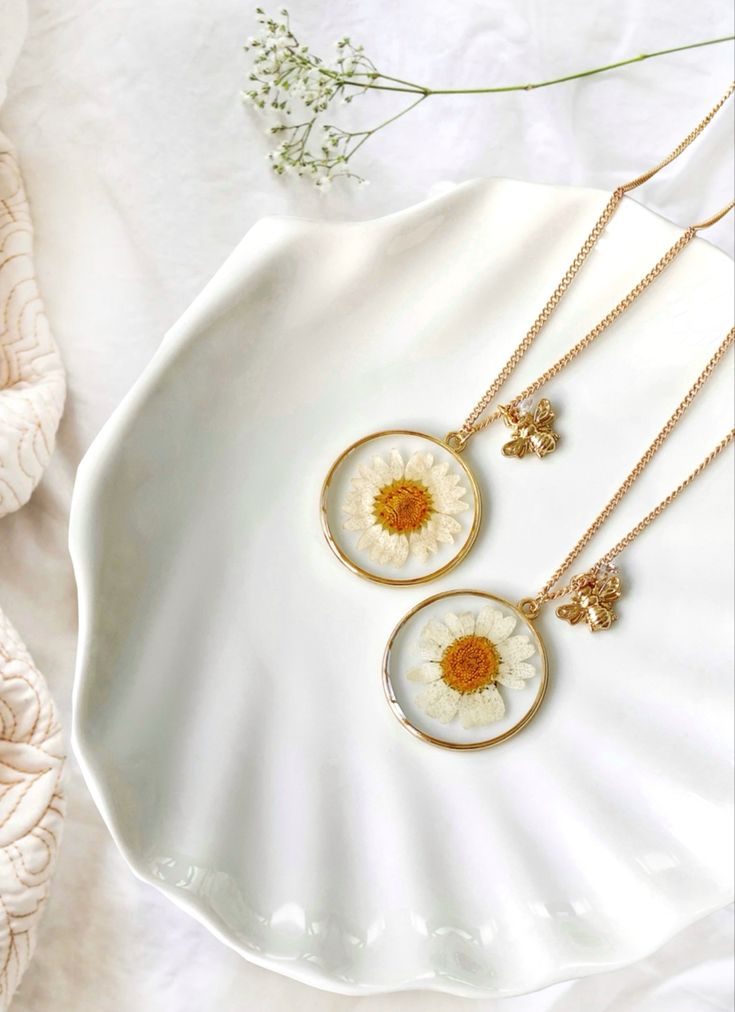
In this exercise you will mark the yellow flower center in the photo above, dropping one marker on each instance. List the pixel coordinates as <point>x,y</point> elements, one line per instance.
<point>470,663</point>
<point>403,506</point>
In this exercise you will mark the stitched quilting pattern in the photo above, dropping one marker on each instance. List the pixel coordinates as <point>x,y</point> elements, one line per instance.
<point>32,384</point>
<point>31,804</point>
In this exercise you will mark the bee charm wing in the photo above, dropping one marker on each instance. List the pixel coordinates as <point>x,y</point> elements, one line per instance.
<point>572,613</point>
<point>543,416</point>
<point>517,447</point>
<point>610,590</point>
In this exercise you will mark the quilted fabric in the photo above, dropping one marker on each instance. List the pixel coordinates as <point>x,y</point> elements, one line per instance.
<point>31,804</point>
<point>32,390</point>
<point>32,385</point>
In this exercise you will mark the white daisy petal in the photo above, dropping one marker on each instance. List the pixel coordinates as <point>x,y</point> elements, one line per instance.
<point>468,623</point>
<point>369,538</point>
<point>451,621</point>
<point>446,495</point>
<point>390,549</point>
<point>460,625</point>
<point>359,523</point>
<point>378,471</point>
<point>422,543</point>
<point>443,528</point>
<point>439,701</point>
<point>514,676</point>
<point>483,707</point>
<point>445,505</point>
<point>494,624</point>
<point>507,678</point>
<point>367,475</point>
<point>383,547</point>
<point>515,649</point>
<point>428,672</point>
<point>399,549</point>
<point>435,636</point>
<point>358,501</point>
<point>396,465</point>
<point>364,484</point>
<point>419,465</point>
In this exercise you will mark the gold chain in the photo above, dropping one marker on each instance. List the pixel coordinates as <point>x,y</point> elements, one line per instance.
<point>548,593</point>
<point>658,510</point>
<point>684,144</point>
<point>681,243</point>
<point>471,425</point>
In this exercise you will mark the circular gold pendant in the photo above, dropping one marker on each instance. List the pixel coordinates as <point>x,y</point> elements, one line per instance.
<point>400,508</point>
<point>465,670</point>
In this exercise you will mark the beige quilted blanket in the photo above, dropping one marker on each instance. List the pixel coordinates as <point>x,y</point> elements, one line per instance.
<point>32,392</point>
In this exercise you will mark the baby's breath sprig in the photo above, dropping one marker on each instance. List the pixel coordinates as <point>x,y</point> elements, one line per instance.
<point>299,87</point>
<point>287,75</point>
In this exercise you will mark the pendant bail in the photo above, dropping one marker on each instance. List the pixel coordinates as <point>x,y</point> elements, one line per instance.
<point>510,414</point>
<point>529,607</point>
<point>457,441</point>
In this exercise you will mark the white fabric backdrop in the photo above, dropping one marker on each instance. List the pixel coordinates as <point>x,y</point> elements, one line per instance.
<point>144,170</point>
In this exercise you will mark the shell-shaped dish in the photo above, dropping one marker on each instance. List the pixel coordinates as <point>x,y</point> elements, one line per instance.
<point>229,711</point>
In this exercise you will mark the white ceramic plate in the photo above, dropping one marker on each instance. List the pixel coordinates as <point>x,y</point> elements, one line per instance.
<point>229,712</point>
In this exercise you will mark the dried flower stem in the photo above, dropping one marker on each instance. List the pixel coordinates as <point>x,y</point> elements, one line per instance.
<point>535,85</point>
<point>285,70</point>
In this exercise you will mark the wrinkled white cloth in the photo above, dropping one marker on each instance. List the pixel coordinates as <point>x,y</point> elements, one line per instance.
<point>144,171</point>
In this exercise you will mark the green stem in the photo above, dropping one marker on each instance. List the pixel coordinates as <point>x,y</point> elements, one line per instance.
<point>411,86</point>
<point>367,134</point>
<point>531,86</point>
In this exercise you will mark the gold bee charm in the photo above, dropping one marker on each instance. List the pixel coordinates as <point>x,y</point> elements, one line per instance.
<point>592,601</point>
<point>532,430</point>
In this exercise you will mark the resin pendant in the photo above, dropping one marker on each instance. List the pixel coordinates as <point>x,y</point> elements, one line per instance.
<point>400,508</point>
<point>465,670</point>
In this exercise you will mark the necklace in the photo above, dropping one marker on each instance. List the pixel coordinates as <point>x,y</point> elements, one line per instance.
<point>401,507</point>
<point>458,647</point>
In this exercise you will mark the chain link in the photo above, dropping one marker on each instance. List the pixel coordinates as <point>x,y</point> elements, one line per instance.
<point>681,243</point>
<point>472,424</point>
<point>665,503</point>
<point>548,593</point>
<point>544,315</point>
<point>684,144</point>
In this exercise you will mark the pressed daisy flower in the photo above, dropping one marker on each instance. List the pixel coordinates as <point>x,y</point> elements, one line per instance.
<point>404,509</point>
<point>465,658</point>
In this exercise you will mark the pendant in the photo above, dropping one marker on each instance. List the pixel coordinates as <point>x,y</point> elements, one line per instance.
<point>465,670</point>
<point>533,429</point>
<point>593,599</point>
<point>400,507</point>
